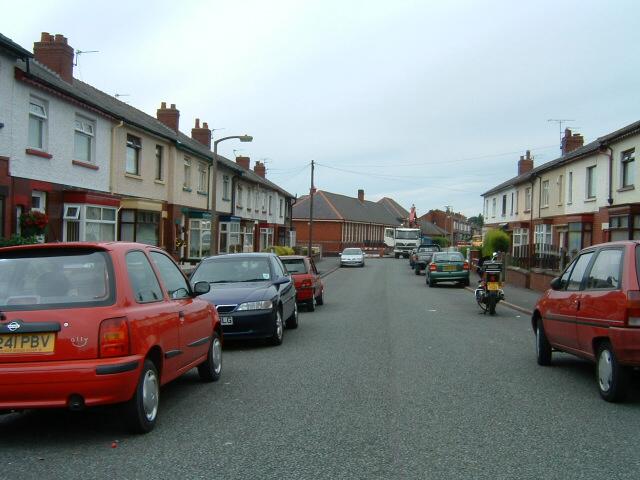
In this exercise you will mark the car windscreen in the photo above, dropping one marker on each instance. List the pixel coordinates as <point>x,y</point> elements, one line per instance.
<point>433,248</point>
<point>295,265</point>
<point>352,251</point>
<point>233,269</point>
<point>448,257</point>
<point>403,235</point>
<point>55,278</point>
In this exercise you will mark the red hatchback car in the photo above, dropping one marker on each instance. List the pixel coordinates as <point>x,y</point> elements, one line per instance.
<point>593,311</point>
<point>309,287</point>
<point>84,324</point>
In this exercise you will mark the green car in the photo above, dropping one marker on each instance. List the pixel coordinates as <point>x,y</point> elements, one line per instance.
<point>448,267</point>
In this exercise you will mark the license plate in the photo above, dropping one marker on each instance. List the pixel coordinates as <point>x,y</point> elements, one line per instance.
<point>449,268</point>
<point>226,320</point>
<point>493,286</point>
<point>27,343</point>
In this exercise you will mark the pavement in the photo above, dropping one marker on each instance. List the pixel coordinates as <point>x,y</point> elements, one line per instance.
<point>521,299</point>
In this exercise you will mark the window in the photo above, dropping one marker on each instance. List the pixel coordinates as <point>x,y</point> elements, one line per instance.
<point>591,182</point>
<point>545,194</point>
<point>239,197</point>
<point>281,208</point>
<point>229,237</point>
<point>39,201</point>
<point>249,197</point>
<point>570,188</point>
<point>527,199</point>
<point>628,169</point>
<point>174,282</point>
<point>270,204</point>
<point>2,207</point>
<point>579,237</point>
<point>575,278</point>
<point>89,223</point>
<point>624,227</point>
<point>133,155</point>
<point>517,196</point>
<point>504,205</point>
<point>186,183</point>
<point>83,140</point>
<point>493,207</point>
<point>139,226</point>
<point>543,238</point>
<point>159,163</point>
<point>520,238</point>
<point>246,236</point>
<point>225,188</point>
<point>255,200</point>
<point>266,238</point>
<point>202,178</point>
<point>511,203</point>
<point>37,123</point>
<point>560,184</point>
<point>606,270</point>
<point>264,202</point>
<point>143,281</point>
<point>199,238</point>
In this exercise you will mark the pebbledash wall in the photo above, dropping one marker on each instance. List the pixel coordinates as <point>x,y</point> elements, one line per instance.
<point>58,142</point>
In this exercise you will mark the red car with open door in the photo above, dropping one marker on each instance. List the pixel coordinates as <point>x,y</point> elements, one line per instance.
<point>309,286</point>
<point>84,324</point>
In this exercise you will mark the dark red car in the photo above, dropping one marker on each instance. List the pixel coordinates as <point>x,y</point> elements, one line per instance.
<point>84,324</point>
<point>593,311</point>
<point>309,287</point>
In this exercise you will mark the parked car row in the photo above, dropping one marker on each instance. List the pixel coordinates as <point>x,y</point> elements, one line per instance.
<point>86,324</point>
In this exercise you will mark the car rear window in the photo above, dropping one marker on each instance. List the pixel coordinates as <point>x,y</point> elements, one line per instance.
<point>295,265</point>
<point>448,257</point>
<point>39,279</point>
<point>233,269</point>
<point>352,251</point>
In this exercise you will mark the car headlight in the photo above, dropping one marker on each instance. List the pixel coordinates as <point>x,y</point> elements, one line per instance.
<point>264,305</point>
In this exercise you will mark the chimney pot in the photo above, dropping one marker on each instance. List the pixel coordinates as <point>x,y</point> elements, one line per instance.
<point>56,54</point>
<point>244,162</point>
<point>197,123</point>
<point>525,164</point>
<point>259,169</point>
<point>571,141</point>
<point>205,125</point>
<point>201,134</point>
<point>169,116</point>
<point>361,195</point>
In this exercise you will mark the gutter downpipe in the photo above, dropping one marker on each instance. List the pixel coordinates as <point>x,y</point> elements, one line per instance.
<point>602,149</point>
<point>532,181</point>
<point>113,150</point>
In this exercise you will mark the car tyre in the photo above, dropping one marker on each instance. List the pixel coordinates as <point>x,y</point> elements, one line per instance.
<point>417,270</point>
<point>320,298</point>
<point>141,412</point>
<point>612,378</point>
<point>292,321</point>
<point>311,305</point>
<point>543,347</point>
<point>466,283</point>
<point>431,281</point>
<point>396,255</point>
<point>278,329</point>
<point>211,369</point>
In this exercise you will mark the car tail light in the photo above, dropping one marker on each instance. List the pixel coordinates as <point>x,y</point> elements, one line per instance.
<point>432,267</point>
<point>633,308</point>
<point>114,337</point>
<point>465,266</point>
<point>306,283</point>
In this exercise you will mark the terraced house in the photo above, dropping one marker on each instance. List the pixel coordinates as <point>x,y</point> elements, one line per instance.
<point>104,170</point>
<point>586,196</point>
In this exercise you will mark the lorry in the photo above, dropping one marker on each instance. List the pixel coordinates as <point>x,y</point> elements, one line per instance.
<point>402,240</point>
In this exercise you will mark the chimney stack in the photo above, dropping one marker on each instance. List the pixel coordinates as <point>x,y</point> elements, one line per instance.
<point>571,142</point>
<point>201,134</point>
<point>169,116</point>
<point>56,54</point>
<point>244,162</point>
<point>361,195</point>
<point>260,169</point>
<point>525,164</point>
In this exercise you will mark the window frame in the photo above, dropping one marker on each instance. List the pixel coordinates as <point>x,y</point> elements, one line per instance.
<point>544,194</point>
<point>590,186</point>
<point>527,200</point>
<point>159,163</point>
<point>133,144</point>
<point>86,129</point>
<point>627,168</point>
<point>42,119</point>
<point>186,170</point>
<point>202,177</point>
<point>593,263</point>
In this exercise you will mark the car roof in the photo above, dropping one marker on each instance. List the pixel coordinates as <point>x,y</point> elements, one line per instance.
<point>293,257</point>
<point>112,246</point>
<point>242,255</point>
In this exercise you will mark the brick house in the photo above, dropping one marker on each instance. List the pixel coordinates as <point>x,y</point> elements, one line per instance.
<point>340,221</point>
<point>448,221</point>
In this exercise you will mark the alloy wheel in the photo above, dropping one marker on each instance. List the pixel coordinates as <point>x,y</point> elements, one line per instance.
<point>150,395</point>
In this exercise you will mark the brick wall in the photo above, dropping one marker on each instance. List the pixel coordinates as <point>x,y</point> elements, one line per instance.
<point>517,277</point>
<point>539,280</point>
<point>327,234</point>
<point>600,217</point>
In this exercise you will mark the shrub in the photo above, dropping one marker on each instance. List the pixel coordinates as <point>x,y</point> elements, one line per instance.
<point>279,250</point>
<point>442,242</point>
<point>495,241</point>
<point>17,240</point>
<point>33,223</point>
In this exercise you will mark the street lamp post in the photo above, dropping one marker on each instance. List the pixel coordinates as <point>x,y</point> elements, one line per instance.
<point>213,243</point>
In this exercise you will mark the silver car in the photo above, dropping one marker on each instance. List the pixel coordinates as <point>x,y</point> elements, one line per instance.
<point>352,257</point>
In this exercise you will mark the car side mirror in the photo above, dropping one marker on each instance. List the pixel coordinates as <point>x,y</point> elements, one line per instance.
<point>340,254</point>
<point>201,287</point>
<point>556,283</point>
<point>281,281</point>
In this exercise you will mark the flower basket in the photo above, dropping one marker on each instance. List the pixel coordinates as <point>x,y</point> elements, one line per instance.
<point>33,223</point>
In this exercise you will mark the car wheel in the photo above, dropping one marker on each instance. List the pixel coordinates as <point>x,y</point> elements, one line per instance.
<point>396,255</point>
<point>417,270</point>
<point>141,412</point>
<point>491,304</point>
<point>211,368</point>
<point>466,283</point>
<point>543,348</point>
<point>292,321</point>
<point>320,298</point>
<point>612,377</point>
<point>278,329</point>
<point>431,281</point>
<point>311,305</point>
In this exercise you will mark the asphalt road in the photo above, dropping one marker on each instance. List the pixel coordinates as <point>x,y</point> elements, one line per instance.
<point>389,379</point>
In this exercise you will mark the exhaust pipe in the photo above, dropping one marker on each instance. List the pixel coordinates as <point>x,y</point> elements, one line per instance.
<point>76,402</point>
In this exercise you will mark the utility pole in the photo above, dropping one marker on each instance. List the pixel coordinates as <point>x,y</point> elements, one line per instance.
<point>311,193</point>
<point>450,212</point>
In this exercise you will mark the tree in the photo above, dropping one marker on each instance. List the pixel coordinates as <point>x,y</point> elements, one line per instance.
<point>478,221</point>
<point>495,241</point>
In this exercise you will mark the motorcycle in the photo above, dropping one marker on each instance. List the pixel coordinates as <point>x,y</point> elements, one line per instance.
<point>489,291</point>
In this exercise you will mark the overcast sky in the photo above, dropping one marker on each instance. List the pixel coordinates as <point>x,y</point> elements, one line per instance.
<point>428,102</point>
